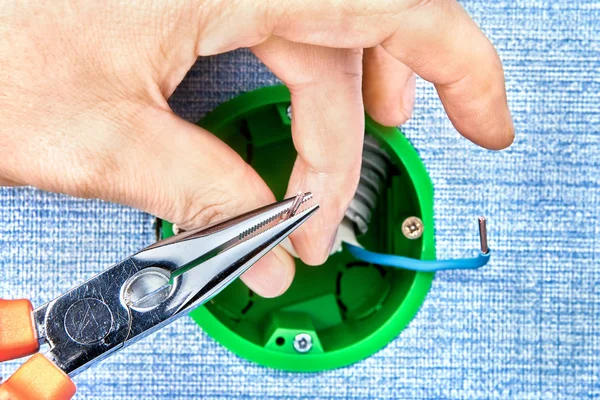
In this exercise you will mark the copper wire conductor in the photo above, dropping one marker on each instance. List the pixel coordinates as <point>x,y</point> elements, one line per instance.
<point>295,205</point>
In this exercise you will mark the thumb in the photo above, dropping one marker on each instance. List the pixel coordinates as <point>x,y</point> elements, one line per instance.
<point>184,174</point>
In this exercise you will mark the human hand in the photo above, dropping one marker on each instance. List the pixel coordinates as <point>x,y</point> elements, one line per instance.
<point>84,111</point>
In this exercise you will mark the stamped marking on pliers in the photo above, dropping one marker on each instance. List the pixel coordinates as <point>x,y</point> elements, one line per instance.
<point>88,321</point>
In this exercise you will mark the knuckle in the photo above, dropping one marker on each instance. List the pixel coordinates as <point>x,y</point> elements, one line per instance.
<point>196,207</point>
<point>351,76</point>
<point>306,67</point>
<point>194,214</point>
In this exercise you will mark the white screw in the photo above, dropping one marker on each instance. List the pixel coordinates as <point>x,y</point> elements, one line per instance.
<point>412,228</point>
<point>303,343</point>
<point>176,229</point>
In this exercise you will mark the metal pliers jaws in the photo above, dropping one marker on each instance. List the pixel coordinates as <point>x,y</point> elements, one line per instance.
<point>134,298</point>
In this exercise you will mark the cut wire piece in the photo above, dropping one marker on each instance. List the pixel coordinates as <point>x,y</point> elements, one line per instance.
<point>391,260</point>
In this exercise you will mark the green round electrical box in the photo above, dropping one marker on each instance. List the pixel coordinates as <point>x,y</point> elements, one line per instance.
<point>346,309</point>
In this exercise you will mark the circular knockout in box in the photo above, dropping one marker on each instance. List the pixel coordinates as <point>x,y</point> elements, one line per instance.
<point>345,310</point>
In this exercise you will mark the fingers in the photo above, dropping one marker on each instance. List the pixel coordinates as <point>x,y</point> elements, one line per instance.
<point>179,172</point>
<point>388,87</point>
<point>150,159</point>
<point>328,130</point>
<point>197,179</point>
<point>444,46</point>
<point>435,39</point>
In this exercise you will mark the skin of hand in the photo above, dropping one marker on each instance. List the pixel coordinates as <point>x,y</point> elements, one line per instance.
<point>84,88</point>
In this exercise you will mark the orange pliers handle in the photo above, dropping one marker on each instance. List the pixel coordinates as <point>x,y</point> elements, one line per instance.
<point>38,378</point>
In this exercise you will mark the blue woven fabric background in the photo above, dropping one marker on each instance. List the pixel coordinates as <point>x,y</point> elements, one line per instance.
<point>525,327</point>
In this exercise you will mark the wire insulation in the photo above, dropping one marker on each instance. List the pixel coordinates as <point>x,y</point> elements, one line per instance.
<point>413,264</point>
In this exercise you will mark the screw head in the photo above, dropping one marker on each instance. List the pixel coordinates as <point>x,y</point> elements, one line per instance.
<point>412,228</point>
<point>289,112</point>
<point>303,343</point>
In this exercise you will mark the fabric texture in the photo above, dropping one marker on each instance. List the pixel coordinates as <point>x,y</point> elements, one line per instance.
<point>527,326</point>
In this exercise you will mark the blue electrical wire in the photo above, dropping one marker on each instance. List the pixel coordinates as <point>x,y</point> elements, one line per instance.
<point>391,260</point>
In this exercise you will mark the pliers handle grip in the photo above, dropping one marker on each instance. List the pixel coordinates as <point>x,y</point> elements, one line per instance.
<point>38,378</point>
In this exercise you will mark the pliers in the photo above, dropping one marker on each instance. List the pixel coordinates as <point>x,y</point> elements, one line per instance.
<point>134,298</point>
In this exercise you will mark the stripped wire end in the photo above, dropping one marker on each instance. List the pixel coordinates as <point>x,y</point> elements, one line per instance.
<point>483,235</point>
<point>295,206</point>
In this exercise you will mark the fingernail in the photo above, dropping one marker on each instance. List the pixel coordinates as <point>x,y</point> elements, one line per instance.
<point>408,97</point>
